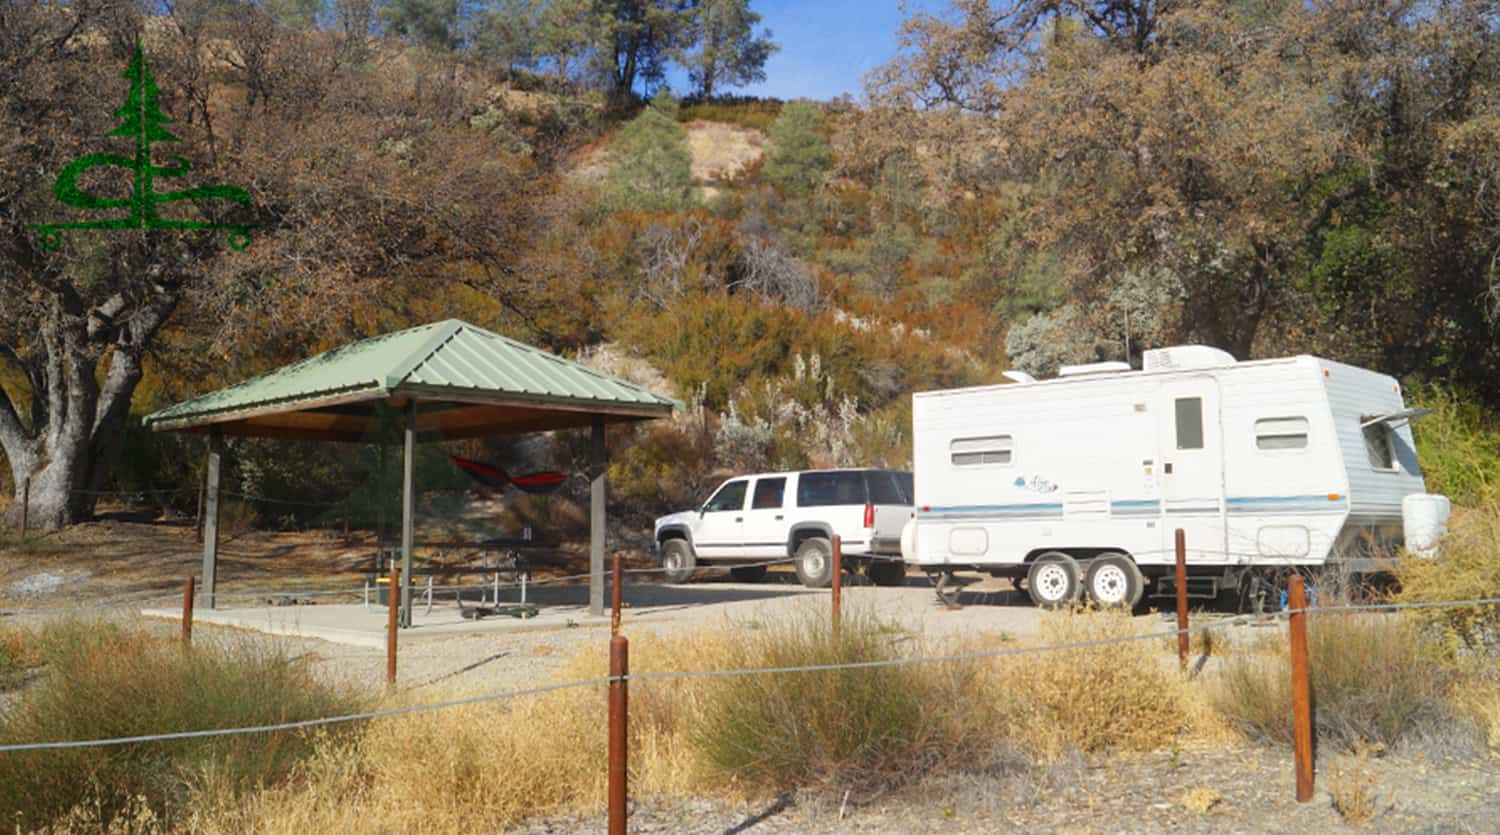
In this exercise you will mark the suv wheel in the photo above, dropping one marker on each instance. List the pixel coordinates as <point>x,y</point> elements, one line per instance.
<point>1053,580</point>
<point>815,562</point>
<point>748,573</point>
<point>886,572</point>
<point>677,561</point>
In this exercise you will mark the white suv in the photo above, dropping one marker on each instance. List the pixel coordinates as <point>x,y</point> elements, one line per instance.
<point>773,516</point>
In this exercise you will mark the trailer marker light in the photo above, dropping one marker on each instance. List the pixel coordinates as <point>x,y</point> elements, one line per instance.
<point>1333,497</point>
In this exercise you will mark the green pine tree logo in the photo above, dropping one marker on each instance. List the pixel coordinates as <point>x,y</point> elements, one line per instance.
<point>141,120</point>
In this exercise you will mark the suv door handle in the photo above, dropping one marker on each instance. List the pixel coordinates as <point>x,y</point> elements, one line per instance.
<point>779,517</point>
<point>739,518</point>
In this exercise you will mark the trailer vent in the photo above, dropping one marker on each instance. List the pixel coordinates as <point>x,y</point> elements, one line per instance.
<point>1185,357</point>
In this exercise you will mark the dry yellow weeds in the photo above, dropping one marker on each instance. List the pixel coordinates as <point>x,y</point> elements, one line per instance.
<point>1200,799</point>
<point>488,766</point>
<point>1352,787</point>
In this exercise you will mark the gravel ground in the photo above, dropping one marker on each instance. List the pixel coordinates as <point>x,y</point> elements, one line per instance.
<point>1238,790</point>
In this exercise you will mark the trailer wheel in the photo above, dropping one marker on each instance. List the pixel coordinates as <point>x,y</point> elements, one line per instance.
<point>678,561</point>
<point>1053,580</point>
<point>1114,581</point>
<point>815,562</point>
<point>886,572</point>
<point>748,573</point>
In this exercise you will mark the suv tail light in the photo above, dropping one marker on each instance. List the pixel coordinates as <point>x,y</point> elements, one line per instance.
<point>869,516</point>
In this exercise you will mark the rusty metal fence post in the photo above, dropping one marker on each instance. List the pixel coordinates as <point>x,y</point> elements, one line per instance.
<point>617,579</point>
<point>1182,605</point>
<point>1302,729</point>
<point>187,613</point>
<point>619,711</point>
<point>392,607</point>
<point>838,584</point>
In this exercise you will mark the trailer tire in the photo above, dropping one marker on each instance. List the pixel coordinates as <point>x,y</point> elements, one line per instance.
<point>678,562</point>
<point>1053,581</point>
<point>814,562</point>
<point>886,572</point>
<point>748,573</point>
<point>1114,582</point>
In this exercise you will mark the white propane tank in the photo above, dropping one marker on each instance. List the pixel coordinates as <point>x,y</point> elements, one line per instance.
<point>1424,521</point>
<point>909,540</point>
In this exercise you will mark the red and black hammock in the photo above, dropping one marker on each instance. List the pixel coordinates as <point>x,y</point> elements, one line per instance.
<point>498,479</point>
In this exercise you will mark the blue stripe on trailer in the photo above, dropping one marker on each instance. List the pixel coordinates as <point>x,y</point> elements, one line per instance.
<point>1145,507</point>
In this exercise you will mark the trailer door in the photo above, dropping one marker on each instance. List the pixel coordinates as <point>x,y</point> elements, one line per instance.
<point>1191,443</point>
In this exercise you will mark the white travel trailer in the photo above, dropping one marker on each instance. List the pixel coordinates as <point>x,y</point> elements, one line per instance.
<point>1078,484</point>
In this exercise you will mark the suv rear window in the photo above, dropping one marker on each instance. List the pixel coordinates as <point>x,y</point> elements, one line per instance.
<point>908,487</point>
<point>885,488</point>
<point>825,489</point>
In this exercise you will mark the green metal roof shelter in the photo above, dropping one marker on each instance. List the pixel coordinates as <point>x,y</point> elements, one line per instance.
<point>449,380</point>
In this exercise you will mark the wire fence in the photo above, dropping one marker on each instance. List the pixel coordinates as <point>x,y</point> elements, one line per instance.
<point>671,675</point>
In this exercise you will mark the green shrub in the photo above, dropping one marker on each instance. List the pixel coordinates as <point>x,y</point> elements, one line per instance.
<point>1458,445</point>
<point>102,680</point>
<point>651,168</point>
<point>798,156</point>
<point>1375,679</point>
<point>865,727</point>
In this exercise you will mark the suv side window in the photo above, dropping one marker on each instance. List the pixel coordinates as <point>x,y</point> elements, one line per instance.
<point>730,497</point>
<point>768,493</point>
<point>827,489</point>
<point>883,488</point>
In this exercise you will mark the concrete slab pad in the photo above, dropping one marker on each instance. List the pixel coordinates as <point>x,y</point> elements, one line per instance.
<point>989,610</point>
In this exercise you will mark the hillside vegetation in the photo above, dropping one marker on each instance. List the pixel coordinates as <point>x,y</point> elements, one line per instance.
<point>1270,178</point>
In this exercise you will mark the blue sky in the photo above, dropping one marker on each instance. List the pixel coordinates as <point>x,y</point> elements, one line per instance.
<point>827,46</point>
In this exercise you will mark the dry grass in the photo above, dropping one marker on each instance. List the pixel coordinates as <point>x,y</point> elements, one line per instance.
<point>1127,696</point>
<point>1465,569</point>
<point>489,766</point>
<point>1200,799</point>
<point>1374,678</point>
<point>1352,787</point>
<point>100,680</point>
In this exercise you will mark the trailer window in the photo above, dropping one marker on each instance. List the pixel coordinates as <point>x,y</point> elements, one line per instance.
<point>1189,422</point>
<point>1379,446</point>
<point>994,449</point>
<point>1281,433</point>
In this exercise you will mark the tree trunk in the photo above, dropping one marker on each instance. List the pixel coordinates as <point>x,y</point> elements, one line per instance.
<point>76,424</point>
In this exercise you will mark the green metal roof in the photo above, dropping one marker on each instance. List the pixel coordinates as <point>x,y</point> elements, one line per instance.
<point>450,359</point>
